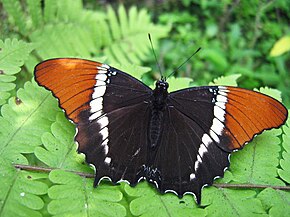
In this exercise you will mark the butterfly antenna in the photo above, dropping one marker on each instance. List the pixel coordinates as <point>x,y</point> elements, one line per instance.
<point>175,70</point>
<point>149,36</point>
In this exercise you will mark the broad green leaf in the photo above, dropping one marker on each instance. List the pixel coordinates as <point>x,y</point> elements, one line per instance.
<point>277,202</point>
<point>59,148</point>
<point>284,172</point>
<point>79,198</point>
<point>24,120</point>
<point>229,202</point>
<point>281,46</point>
<point>20,192</point>
<point>146,201</point>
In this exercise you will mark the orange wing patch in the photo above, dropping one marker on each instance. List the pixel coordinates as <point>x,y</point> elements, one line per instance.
<point>249,113</point>
<point>71,81</point>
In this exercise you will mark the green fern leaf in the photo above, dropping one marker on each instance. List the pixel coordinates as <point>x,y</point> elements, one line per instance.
<point>59,148</point>
<point>13,53</point>
<point>68,40</point>
<point>284,172</point>
<point>233,202</point>
<point>129,34</point>
<point>50,10</point>
<point>16,14</point>
<point>275,201</point>
<point>69,10</point>
<point>229,80</point>
<point>34,8</point>
<point>114,24</point>
<point>23,121</point>
<point>85,200</point>
<point>20,191</point>
<point>147,202</point>
<point>257,162</point>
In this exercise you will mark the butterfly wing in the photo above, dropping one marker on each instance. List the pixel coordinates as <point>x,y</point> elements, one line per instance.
<point>203,125</point>
<point>107,106</point>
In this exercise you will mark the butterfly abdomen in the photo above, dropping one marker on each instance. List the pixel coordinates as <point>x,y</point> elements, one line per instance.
<point>155,127</point>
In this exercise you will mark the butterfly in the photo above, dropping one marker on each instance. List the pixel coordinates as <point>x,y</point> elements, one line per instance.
<point>179,141</point>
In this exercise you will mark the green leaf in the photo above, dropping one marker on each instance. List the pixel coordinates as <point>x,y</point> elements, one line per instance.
<point>19,192</point>
<point>79,198</point>
<point>257,162</point>
<point>23,121</point>
<point>147,202</point>
<point>270,92</point>
<point>128,35</point>
<point>34,7</point>
<point>281,46</point>
<point>229,80</point>
<point>16,14</point>
<point>13,53</point>
<point>229,202</point>
<point>284,172</point>
<point>275,201</point>
<point>178,83</point>
<point>59,148</point>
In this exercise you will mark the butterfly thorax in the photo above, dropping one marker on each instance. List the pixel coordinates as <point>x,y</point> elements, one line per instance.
<point>159,98</point>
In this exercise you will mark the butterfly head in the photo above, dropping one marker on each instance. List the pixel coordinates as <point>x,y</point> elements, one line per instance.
<point>162,85</point>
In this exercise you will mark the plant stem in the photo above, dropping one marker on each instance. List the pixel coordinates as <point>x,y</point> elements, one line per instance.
<point>90,175</point>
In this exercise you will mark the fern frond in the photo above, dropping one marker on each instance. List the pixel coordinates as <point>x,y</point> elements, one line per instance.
<point>23,121</point>
<point>20,191</point>
<point>59,148</point>
<point>16,15</point>
<point>68,40</point>
<point>85,200</point>
<point>50,10</point>
<point>147,201</point>
<point>230,80</point>
<point>128,35</point>
<point>13,53</point>
<point>284,172</point>
<point>275,201</point>
<point>34,9</point>
<point>233,202</point>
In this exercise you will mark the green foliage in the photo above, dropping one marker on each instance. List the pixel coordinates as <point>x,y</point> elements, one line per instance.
<point>20,191</point>
<point>284,172</point>
<point>227,202</point>
<point>276,201</point>
<point>85,200</point>
<point>24,120</point>
<point>59,148</point>
<point>13,53</point>
<point>35,132</point>
<point>164,205</point>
